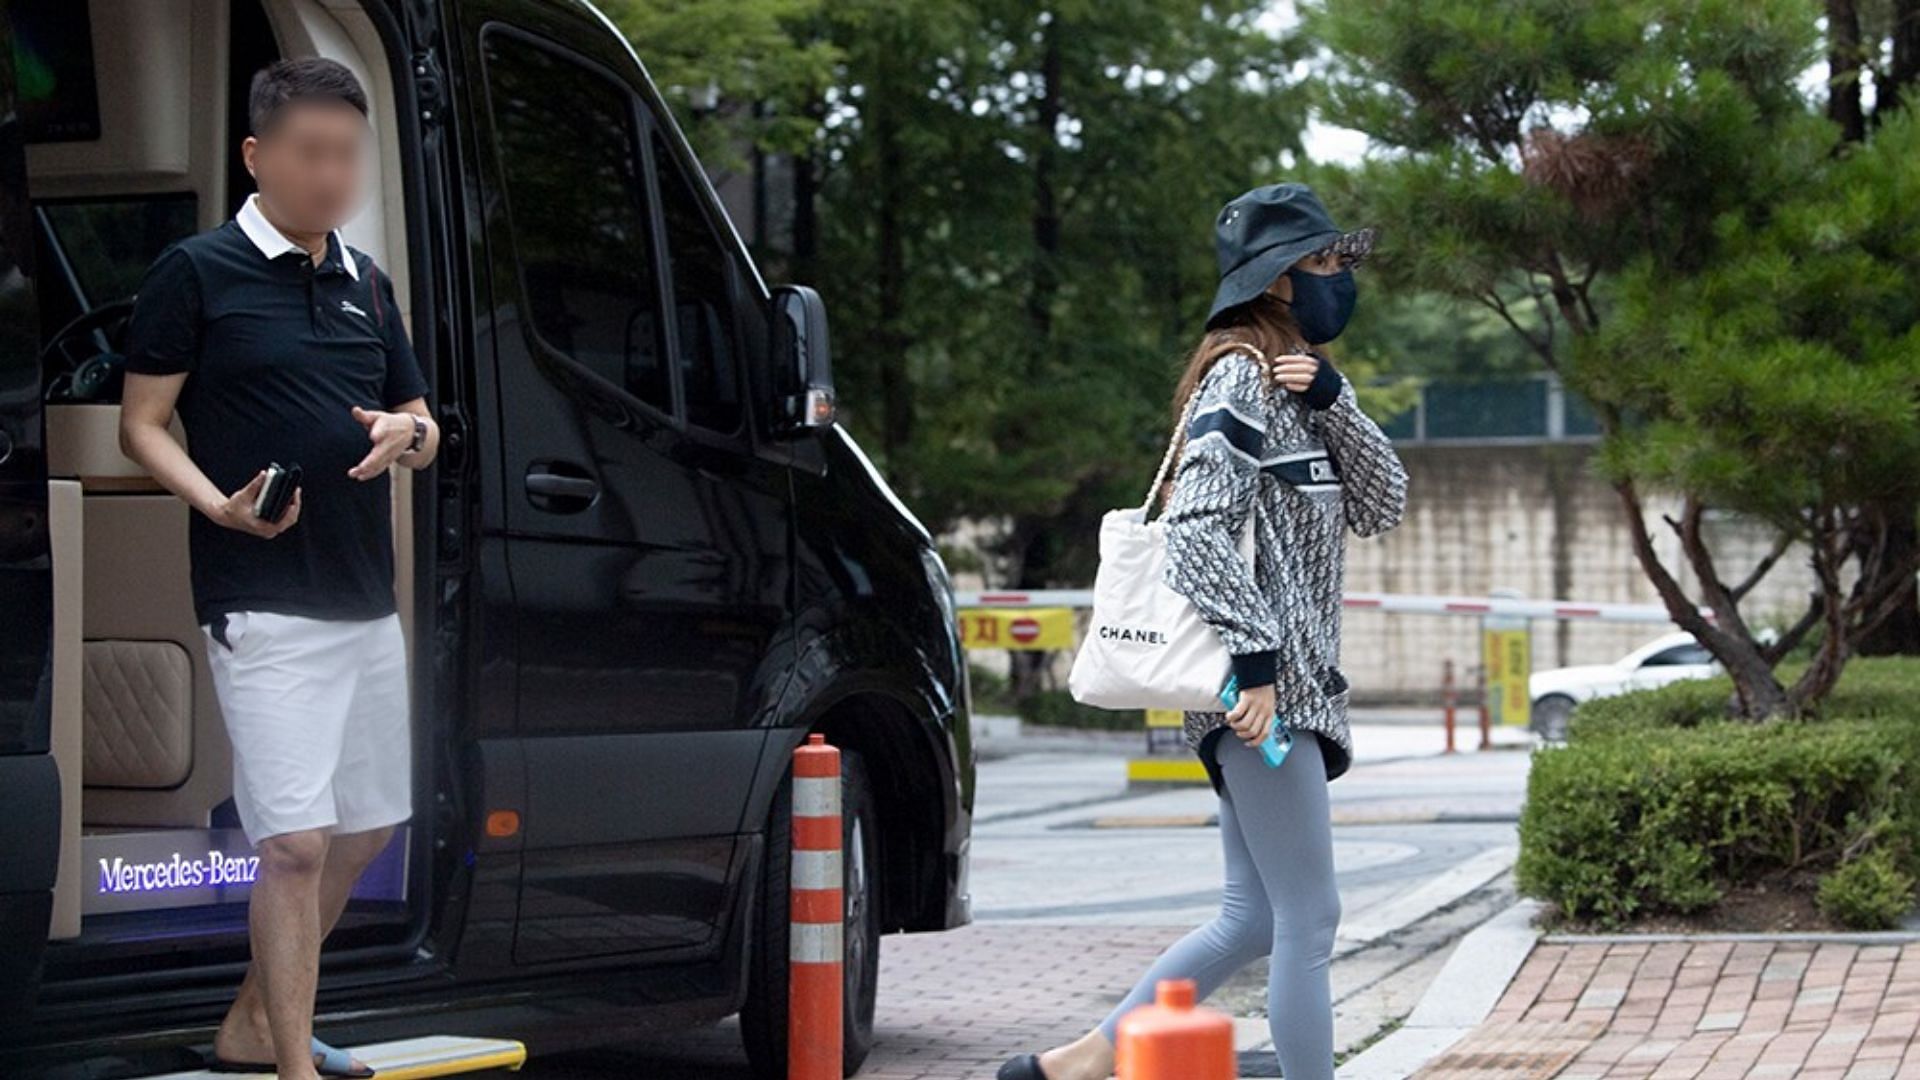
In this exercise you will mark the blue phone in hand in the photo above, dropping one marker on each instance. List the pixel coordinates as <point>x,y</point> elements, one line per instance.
<point>1279,738</point>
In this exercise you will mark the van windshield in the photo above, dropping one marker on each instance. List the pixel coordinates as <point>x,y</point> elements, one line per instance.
<point>107,244</point>
<point>92,252</point>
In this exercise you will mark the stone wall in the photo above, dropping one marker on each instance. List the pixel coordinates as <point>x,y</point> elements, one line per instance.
<point>1531,517</point>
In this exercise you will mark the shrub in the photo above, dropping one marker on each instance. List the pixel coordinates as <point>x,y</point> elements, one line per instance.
<point>991,691</point>
<point>1870,687</point>
<point>1684,704</point>
<point>1634,817</point>
<point>1867,893</point>
<point>1057,708</point>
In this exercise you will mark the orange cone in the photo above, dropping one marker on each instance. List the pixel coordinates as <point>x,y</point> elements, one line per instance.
<point>816,913</point>
<point>1172,1040</point>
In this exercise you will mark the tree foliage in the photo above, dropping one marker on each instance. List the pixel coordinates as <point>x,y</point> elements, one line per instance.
<point>1008,208</point>
<point>716,60</point>
<point>1016,241</point>
<point>1701,257</point>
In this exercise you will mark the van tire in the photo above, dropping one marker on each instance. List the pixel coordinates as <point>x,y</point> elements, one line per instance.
<point>763,1017</point>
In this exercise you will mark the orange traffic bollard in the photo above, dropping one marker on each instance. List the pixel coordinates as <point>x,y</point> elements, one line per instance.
<point>1446,699</point>
<point>816,913</point>
<point>1172,1040</point>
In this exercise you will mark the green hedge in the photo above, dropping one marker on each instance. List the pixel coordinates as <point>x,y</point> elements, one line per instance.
<point>1055,708</point>
<point>1871,687</point>
<point>1058,709</point>
<point>1658,804</point>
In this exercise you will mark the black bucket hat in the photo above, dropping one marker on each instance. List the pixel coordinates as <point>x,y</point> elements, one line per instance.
<point>1268,229</point>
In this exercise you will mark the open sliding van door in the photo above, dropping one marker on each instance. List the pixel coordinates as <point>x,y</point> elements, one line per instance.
<point>29,780</point>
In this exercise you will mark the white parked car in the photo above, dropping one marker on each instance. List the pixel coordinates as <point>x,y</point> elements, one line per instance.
<point>1665,659</point>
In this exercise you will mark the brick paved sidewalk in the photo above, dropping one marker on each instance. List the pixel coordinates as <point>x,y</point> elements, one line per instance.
<point>957,1004</point>
<point>952,1006</point>
<point>1715,1010</point>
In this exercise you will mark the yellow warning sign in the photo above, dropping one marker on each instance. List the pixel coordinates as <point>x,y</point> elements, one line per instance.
<point>1507,655</point>
<point>1166,718</point>
<point>1016,628</point>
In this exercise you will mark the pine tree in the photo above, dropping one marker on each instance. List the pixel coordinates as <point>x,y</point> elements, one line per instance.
<point>1643,193</point>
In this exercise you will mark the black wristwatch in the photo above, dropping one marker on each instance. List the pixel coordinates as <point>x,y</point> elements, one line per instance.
<point>419,434</point>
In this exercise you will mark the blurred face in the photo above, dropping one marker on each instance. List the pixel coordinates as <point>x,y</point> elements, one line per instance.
<point>310,163</point>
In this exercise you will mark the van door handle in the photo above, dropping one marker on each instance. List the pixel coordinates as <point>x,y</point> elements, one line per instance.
<point>560,487</point>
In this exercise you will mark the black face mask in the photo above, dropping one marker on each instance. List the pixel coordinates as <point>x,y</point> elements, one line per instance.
<point>1322,303</point>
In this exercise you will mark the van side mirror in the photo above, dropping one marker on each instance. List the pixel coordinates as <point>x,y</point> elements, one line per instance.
<point>802,364</point>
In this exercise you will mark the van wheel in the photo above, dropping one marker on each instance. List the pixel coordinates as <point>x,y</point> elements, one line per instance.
<point>763,1017</point>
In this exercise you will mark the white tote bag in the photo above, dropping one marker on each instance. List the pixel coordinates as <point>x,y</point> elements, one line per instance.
<point>1147,646</point>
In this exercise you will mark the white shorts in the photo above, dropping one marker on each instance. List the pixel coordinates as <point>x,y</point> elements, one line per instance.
<point>317,711</point>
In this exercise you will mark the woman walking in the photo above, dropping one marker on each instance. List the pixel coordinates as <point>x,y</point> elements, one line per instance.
<point>1274,431</point>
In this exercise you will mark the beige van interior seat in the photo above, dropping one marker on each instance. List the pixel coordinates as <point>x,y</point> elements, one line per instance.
<point>137,700</point>
<point>153,748</point>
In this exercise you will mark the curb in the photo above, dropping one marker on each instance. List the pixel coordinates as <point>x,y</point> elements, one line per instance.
<point>1211,820</point>
<point>1838,937</point>
<point>1430,896</point>
<point>1461,996</point>
<point>997,736</point>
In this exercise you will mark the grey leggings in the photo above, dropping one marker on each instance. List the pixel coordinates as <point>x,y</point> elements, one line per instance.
<point>1279,900</point>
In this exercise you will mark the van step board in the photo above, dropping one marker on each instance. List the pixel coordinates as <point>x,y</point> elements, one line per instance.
<point>412,1059</point>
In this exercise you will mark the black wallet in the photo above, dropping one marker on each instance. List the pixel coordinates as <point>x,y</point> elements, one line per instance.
<point>276,492</point>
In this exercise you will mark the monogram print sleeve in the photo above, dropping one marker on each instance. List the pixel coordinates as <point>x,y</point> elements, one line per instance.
<point>1372,474</point>
<point>1214,491</point>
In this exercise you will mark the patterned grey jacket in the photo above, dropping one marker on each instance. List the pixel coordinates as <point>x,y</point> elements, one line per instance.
<point>1315,466</point>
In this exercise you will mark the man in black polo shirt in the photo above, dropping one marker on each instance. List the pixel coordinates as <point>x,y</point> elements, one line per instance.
<point>278,343</point>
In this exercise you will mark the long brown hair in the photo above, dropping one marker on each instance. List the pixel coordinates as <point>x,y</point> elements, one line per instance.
<point>1264,323</point>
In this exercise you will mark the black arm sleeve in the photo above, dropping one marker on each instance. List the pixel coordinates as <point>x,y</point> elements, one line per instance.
<point>1325,387</point>
<point>404,381</point>
<point>163,334</point>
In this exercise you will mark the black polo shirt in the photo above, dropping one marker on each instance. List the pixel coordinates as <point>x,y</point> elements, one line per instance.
<point>278,352</point>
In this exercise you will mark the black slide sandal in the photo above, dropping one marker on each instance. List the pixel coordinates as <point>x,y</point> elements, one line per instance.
<point>256,1068</point>
<point>1023,1067</point>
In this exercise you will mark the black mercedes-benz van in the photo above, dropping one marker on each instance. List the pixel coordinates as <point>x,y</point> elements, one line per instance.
<point>646,565</point>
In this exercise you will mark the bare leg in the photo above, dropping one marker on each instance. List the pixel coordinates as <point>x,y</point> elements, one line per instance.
<point>283,922</point>
<point>245,1035</point>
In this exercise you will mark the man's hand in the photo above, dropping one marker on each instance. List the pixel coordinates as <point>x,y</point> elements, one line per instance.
<point>1252,715</point>
<point>389,432</point>
<point>237,511</point>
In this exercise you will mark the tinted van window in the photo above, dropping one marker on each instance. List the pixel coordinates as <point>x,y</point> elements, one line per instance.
<point>709,357</point>
<point>570,154</point>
